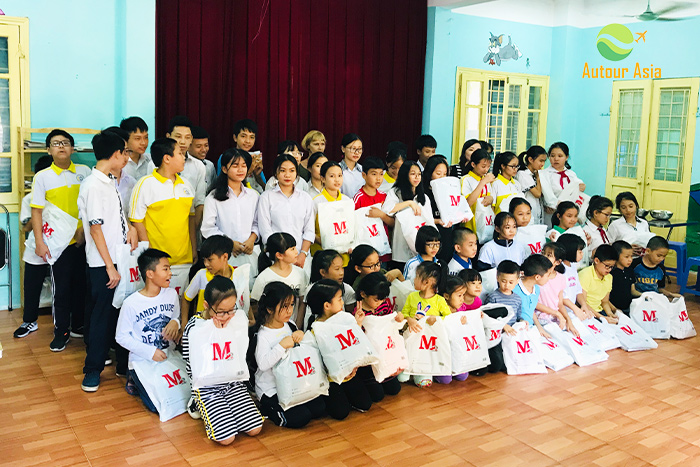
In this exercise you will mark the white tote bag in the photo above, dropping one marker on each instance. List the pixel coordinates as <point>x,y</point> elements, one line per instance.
<point>398,293</point>
<point>58,229</point>
<point>468,344</point>
<point>495,322</point>
<point>583,351</point>
<point>343,346</point>
<point>166,384</point>
<point>555,357</point>
<point>252,260</point>
<point>596,332</point>
<point>631,336</point>
<point>532,237</point>
<point>127,265</point>
<point>336,225</point>
<point>484,217</point>
<point>451,203</point>
<point>371,231</point>
<point>428,351</point>
<point>410,223</point>
<point>681,326</point>
<point>572,193</point>
<point>219,355</point>
<point>522,353</point>
<point>489,282</point>
<point>300,376</point>
<point>241,282</point>
<point>652,312</point>
<point>383,334</point>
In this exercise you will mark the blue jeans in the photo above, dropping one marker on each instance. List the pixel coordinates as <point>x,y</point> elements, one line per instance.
<point>142,392</point>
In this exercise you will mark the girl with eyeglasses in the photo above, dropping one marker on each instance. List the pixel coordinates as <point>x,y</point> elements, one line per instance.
<point>351,146</point>
<point>365,260</point>
<point>505,168</point>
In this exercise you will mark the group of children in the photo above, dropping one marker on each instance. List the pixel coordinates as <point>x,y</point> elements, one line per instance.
<point>202,222</point>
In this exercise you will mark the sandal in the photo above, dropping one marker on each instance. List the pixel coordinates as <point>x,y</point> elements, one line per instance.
<point>130,387</point>
<point>425,383</point>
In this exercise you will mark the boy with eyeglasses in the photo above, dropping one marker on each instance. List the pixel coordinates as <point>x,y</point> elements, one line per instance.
<point>148,320</point>
<point>58,187</point>
<point>597,282</point>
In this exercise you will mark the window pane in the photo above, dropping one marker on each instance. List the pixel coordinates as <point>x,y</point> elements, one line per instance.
<point>3,56</point>
<point>533,122</point>
<point>514,96</point>
<point>628,127</point>
<point>494,129</point>
<point>471,128</point>
<point>474,93</point>
<point>5,175</point>
<point>670,135</point>
<point>512,131</point>
<point>5,115</point>
<point>534,97</point>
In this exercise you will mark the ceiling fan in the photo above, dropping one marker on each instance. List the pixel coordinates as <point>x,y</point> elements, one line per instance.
<point>650,15</point>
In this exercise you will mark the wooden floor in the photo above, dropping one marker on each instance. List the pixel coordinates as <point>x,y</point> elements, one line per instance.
<point>635,409</point>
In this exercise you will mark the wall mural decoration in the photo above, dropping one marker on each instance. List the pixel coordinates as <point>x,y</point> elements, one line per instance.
<point>498,53</point>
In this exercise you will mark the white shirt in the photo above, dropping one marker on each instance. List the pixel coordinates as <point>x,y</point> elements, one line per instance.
<point>296,280</point>
<point>25,216</point>
<point>348,299</point>
<point>234,217</point>
<point>100,203</point>
<point>620,229</point>
<point>503,189</point>
<point>454,266</point>
<point>299,183</point>
<point>313,192</point>
<point>125,186</point>
<point>573,286</point>
<point>596,236</point>
<point>141,168</point>
<point>352,179</point>
<point>409,270</point>
<point>527,182</point>
<point>553,180</point>
<point>493,254</point>
<point>294,215</point>
<point>400,250</point>
<point>209,173</point>
<point>267,353</point>
<point>142,320</point>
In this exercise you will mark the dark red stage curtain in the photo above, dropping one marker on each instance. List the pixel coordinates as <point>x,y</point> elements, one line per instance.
<point>339,66</point>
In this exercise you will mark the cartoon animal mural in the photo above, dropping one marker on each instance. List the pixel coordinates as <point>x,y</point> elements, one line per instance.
<point>496,53</point>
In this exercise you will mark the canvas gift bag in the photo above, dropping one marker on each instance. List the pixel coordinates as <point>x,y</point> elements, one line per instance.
<point>383,334</point>
<point>428,350</point>
<point>336,225</point>
<point>299,375</point>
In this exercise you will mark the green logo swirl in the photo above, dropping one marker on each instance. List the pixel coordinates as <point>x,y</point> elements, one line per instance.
<point>610,50</point>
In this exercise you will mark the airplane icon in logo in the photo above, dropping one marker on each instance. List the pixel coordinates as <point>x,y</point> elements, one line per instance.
<point>642,36</point>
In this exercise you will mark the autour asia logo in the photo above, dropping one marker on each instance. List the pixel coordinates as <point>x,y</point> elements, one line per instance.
<point>615,42</point>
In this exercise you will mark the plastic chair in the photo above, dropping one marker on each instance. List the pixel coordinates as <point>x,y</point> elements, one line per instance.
<point>683,279</point>
<point>681,250</point>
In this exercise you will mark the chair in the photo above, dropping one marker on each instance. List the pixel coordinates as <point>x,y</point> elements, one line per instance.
<point>681,250</point>
<point>683,279</point>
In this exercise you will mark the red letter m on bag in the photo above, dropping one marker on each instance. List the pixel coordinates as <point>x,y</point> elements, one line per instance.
<point>683,315</point>
<point>535,248</point>
<point>472,344</point>
<point>304,368</point>
<point>133,274</point>
<point>222,354</point>
<point>523,347</point>
<point>428,344</point>
<point>347,340</point>
<point>648,315</point>
<point>339,228</point>
<point>454,200</point>
<point>495,334</point>
<point>373,230</point>
<point>627,330</point>
<point>174,379</point>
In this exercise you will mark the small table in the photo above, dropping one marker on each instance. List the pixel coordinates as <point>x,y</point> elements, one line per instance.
<point>670,224</point>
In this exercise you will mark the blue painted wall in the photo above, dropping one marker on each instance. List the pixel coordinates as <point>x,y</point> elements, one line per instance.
<point>91,63</point>
<point>575,104</point>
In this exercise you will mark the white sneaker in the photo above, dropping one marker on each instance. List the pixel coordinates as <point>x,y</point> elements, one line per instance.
<point>192,409</point>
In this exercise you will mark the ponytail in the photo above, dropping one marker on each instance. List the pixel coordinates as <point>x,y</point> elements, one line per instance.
<point>278,242</point>
<point>502,158</point>
<point>597,203</point>
<point>531,154</point>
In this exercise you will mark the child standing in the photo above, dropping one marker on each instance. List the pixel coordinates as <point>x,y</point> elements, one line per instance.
<point>100,206</point>
<point>228,408</point>
<point>148,319</point>
<point>291,148</point>
<point>455,293</point>
<point>598,214</point>
<point>277,264</point>
<point>508,276</point>
<point>59,186</point>
<point>332,181</point>
<point>137,143</point>
<point>435,169</point>
<point>557,176</point>
<point>275,335</point>
<point>426,299</point>
<point>427,246</point>
<point>465,246</point>
<point>530,166</point>
<point>351,145</point>
<point>395,157</point>
<point>648,269</point>
<point>502,247</point>
<point>425,149</point>
<point>597,283</point>
<point>316,161</point>
<point>623,277</point>
<point>476,185</point>
<point>370,195</point>
<point>504,186</point>
<point>326,300</point>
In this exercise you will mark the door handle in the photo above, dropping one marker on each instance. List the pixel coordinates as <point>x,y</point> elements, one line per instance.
<point>639,182</point>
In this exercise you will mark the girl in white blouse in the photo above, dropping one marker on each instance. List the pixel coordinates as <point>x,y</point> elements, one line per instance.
<point>531,164</point>
<point>314,164</point>
<point>629,226</point>
<point>557,176</point>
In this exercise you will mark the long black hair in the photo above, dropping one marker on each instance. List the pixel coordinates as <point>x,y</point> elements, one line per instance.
<point>321,292</point>
<point>597,203</point>
<point>220,185</point>
<point>322,261</point>
<point>530,155</point>
<point>428,170</point>
<point>403,187</point>
<point>463,157</point>
<point>564,148</point>
<point>278,242</point>
<point>502,158</point>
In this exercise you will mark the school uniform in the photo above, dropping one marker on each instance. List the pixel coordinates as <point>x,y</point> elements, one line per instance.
<point>60,187</point>
<point>457,263</point>
<point>35,269</point>
<point>268,352</point>
<point>599,235</point>
<point>199,282</point>
<point>227,409</point>
<point>125,186</point>
<point>313,191</point>
<point>496,251</point>
<point>620,229</point>
<point>209,173</point>
<point>234,217</point>
<point>139,169</point>
<point>469,184</point>
<point>299,183</point>
<point>387,183</point>
<point>409,270</point>
<point>556,182</point>
<point>502,189</point>
<point>100,203</point>
<point>352,179</point>
<point>195,174</point>
<point>296,279</point>
<point>527,182</point>
<point>294,214</point>
<point>399,247</point>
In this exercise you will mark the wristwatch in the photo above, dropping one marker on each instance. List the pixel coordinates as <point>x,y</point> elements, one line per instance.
<point>306,253</point>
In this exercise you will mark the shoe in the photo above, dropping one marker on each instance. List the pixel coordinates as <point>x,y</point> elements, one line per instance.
<point>119,372</point>
<point>192,409</point>
<point>108,362</point>
<point>78,333</point>
<point>91,382</point>
<point>25,328</point>
<point>424,383</point>
<point>59,342</point>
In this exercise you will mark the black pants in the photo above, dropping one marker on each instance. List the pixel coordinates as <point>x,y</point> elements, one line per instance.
<point>497,361</point>
<point>343,397</point>
<point>377,391</point>
<point>68,280</point>
<point>101,324</point>
<point>296,417</point>
<point>34,275</point>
